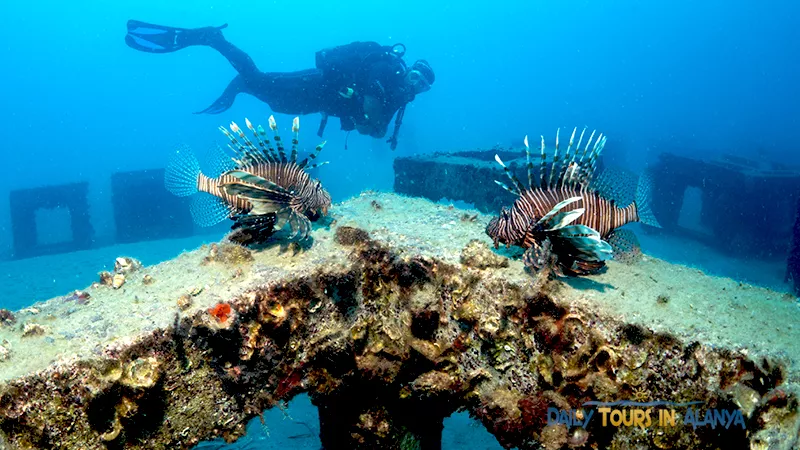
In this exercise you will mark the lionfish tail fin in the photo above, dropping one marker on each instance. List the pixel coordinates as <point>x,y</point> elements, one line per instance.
<point>182,173</point>
<point>644,196</point>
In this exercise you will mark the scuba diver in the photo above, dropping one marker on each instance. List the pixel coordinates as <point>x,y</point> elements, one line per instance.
<point>362,83</point>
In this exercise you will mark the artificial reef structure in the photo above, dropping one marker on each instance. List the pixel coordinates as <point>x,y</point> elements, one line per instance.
<point>396,316</point>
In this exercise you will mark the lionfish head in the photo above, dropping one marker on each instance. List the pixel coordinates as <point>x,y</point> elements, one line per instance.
<point>500,230</point>
<point>319,201</point>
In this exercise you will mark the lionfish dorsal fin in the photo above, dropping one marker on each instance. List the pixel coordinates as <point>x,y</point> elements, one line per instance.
<point>278,141</point>
<point>236,147</point>
<point>250,153</point>
<point>295,138</point>
<point>517,184</point>
<point>573,166</point>
<point>313,156</point>
<point>554,166</point>
<point>577,167</point>
<point>543,164</point>
<point>266,152</point>
<point>528,161</point>
<point>567,161</point>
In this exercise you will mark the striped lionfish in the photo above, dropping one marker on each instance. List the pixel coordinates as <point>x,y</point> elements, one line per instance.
<point>565,218</point>
<point>261,189</point>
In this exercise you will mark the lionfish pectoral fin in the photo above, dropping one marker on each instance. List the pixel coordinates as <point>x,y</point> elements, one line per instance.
<point>568,216</point>
<point>298,223</point>
<point>625,246</point>
<point>302,226</point>
<point>537,256</point>
<point>263,183</point>
<point>585,243</point>
<point>564,219</point>
<point>208,210</point>
<point>264,201</point>
<point>282,217</point>
<point>581,267</point>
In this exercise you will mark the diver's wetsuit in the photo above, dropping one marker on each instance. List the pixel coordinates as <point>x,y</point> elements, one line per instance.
<point>300,92</point>
<point>384,82</point>
<point>369,72</point>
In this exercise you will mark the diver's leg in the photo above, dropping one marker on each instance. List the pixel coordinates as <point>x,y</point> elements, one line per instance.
<point>240,60</point>
<point>301,92</point>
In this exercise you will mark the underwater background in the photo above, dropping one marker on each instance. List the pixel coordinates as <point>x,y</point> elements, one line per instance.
<point>693,78</point>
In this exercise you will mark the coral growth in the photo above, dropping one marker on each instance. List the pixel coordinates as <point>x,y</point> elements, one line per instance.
<point>350,236</point>
<point>388,344</point>
<point>126,265</point>
<point>221,312</point>
<point>7,318</point>
<point>229,253</point>
<point>477,254</point>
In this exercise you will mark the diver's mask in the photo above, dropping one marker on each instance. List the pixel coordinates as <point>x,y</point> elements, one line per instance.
<point>417,82</point>
<point>420,76</point>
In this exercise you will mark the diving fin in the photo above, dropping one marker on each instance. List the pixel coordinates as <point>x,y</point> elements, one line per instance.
<point>152,38</point>
<point>225,101</point>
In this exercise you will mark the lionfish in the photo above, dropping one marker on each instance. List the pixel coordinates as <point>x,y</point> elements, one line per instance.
<point>564,218</point>
<point>261,189</point>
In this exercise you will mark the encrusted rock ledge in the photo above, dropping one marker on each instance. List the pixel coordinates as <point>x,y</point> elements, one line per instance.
<point>388,339</point>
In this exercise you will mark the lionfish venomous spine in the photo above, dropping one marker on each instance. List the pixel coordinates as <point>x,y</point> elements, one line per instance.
<point>260,181</point>
<point>561,213</point>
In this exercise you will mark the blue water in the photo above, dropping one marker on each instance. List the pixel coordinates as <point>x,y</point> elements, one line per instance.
<point>698,78</point>
<point>78,104</point>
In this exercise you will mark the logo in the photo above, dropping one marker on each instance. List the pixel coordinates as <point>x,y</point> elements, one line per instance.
<point>661,414</point>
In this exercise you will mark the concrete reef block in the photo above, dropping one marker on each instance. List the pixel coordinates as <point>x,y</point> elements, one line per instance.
<point>27,232</point>
<point>466,176</point>
<point>793,260</point>
<point>747,205</point>
<point>144,210</point>
<point>389,333</point>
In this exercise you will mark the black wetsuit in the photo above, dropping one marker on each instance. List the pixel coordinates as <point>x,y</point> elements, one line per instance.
<point>374,71</point>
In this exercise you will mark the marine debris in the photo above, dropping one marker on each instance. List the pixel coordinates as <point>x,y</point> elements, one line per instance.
<point>563,218</point>
<point>261,189</point>
<point>389,333</point>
